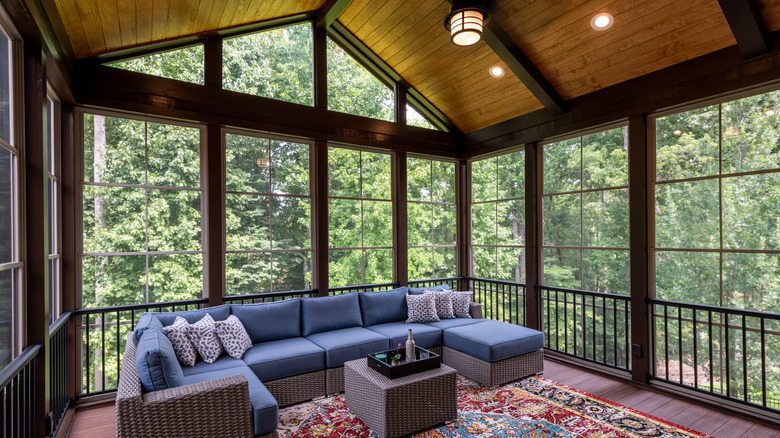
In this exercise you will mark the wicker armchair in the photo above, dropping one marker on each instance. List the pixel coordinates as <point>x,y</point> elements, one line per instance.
<point>219,407</point>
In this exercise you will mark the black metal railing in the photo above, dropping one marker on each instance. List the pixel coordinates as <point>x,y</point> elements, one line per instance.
<point>500,300</point>
<point>729,353</point>
<point>18,417</point>
<point>102,333</point>
<point>452,282</point>
<point>269,297</point>
<point>362,288</point>
<point>58,370</point>
<point>594,326</point>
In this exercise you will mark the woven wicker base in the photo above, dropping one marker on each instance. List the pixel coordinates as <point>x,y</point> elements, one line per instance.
<point>395,407</point>
<point>273,434</point>
<point>495,373</point>
<point>334,380</point>
<point>296,389</point>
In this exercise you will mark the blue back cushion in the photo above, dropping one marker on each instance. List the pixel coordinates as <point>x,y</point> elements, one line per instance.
<point>419,290</point>
<point>384,306</point>
<point>219,313</point>
<point>147,321</point>
<point>156,362</point>
<point>324,314</point>
<point>270,321</point>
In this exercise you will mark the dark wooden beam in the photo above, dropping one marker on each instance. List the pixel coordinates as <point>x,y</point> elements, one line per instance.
<point>107,87</point>
<point>525,70</point>
<point>320,79</point>
<point>68,181</point>
<point>746,24</point>
<point>463,220</point>
<point>329,12</point>
<point>533,239</point>
<point>400,220</point>
<point>399,91</point>
<point>716,74</point>
<point>214,216</point>
<point>640,202</point>
<point>212,62</point>
<point>319,211</point>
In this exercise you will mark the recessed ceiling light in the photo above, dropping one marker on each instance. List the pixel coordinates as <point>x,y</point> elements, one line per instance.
<point>497,71</point>
<point>677,132</point>
<point>770,112</point>
<point>602,21</point>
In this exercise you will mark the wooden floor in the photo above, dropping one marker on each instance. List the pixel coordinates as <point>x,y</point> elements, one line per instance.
<point>100,422</point>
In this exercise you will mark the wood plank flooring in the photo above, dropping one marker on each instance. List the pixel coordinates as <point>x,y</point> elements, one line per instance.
<point>100,422</point>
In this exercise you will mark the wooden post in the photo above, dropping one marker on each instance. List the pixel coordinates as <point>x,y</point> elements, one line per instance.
<point>319,211</point>
<point>533,264</point>
<point>463,220</point>
<point>639,243</point>
<point>214,215</point>
<point>400,219</point>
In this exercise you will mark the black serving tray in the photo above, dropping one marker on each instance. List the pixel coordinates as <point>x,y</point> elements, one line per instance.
<point>403,368</point>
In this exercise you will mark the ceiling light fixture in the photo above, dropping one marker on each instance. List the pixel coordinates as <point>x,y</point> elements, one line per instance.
<point>770,112</point>
<point>677,132</point>
<point>497,71</point>
<point>602,21</point>
<point>466,22</point>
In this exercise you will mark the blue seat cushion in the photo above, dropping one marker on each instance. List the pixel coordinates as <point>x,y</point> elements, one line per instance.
<point>384,306</point>
<point>284,358</point>
<point>419,290</point>
<point>424,336</point>
<point>156,363</point>
<point>219,313</point>
<point>492,341</point>
<point>324,314</point>
<point>445,324</point>
<point>265,410</point>
<point>348,344</point>
<point>147,321</point>
<point>224,362</point>
<point>270,321</point>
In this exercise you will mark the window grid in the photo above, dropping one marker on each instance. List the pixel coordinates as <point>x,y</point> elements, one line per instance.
<point>55,252</point>
<point>272,250</point>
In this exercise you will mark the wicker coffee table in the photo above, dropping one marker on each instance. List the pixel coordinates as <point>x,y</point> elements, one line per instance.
<point>395,407</point>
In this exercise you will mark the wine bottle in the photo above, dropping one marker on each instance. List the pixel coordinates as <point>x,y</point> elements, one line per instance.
<point>410,353</point>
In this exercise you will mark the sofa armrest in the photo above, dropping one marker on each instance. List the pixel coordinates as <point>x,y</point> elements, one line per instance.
<point>475,310</point>
<point>218,407</point>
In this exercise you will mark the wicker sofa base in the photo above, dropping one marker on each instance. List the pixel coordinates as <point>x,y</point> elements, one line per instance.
<point>495,373</point>
<point>297,389</point>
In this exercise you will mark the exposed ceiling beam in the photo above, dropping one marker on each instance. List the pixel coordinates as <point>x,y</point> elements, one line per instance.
<point>330,11</point>
<point>525,70</point>
<point>746,24</point>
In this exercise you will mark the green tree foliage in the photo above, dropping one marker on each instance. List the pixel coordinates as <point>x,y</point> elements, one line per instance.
<point>431,219</point>
<point>276,63</point>
<point>181,64</point>
<point>353,89</point>
<point>360,217</point>
<point>414,118</point>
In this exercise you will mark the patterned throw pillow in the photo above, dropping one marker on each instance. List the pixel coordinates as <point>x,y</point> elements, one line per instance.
<point>461,301</point>
<point>444,304</point>
<point>233,336</point>
<point>177,334</point>
<point>205,340</point>
<point>422,308</point>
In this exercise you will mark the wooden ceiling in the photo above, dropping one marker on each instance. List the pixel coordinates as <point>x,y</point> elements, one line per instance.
<point>555,36</point>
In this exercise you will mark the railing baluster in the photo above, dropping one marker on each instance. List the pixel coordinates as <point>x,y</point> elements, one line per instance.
<point>763,363</point>
<point>679,343</point>
<point>728,358</point>
<point>744,357</point>
<point>666,340</point>
<point>712,364</point>
<point>695,352</point>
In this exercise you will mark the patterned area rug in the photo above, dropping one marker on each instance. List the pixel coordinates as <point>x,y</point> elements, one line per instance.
<point>531,408</point>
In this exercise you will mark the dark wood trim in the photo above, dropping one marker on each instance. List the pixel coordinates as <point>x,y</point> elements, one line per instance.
<point>399,92</point>
<point>330,11</point>
<point>214,215</point>
<point>532,232</point>
<point>639,246</point>
<point>35,235</point>
<point>212,62</point>
<point>70,262</point>
<point>463,220</point>
<point>400,219</point>
<point>506,49</point>
<point>319,213</point>
<point>746,24</point>
<point>107,87</point>
<point>320,79</point>
<point>710,76</point>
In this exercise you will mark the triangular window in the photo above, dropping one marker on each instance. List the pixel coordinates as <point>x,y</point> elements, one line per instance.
<point>184,64</point>
<point>354,90</point>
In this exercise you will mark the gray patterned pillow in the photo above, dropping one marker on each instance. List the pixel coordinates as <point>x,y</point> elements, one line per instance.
<point>461,302</point>
<point>205,340</point>
<point>233,336</point>
<point>422,308</point>
<point>177,334</point>
<point>443,304</point>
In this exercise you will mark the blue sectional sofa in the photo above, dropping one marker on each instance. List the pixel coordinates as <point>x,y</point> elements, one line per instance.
<point>299,347</point>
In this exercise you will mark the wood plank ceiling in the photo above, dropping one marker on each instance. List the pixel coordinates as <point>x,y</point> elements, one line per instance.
<point>648,35</point>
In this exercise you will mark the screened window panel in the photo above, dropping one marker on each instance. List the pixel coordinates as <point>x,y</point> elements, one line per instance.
<point>354,90</point>
<point>184,64</point>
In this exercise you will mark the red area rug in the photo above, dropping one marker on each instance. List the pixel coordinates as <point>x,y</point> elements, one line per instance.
<point>530,408</point>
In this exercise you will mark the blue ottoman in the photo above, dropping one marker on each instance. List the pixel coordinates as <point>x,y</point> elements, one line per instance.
<point>494,352</point>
